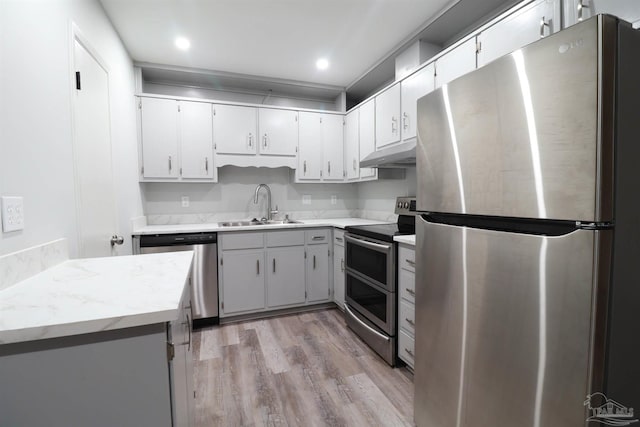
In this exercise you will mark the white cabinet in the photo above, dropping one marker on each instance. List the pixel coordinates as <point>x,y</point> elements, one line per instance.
<point>278,132</point>
<point>181,367</point>
<point>579,10</point>
<point>367,131</point>
<point>455,63</point>
<point>235,129</point>
<point>533,22</point>
<point>352,145</point>
<point>387,116</point>
<point>413,87</point>
<point>338,267</point>
<point>317,274</point>
<point>310,147</point>
<point>286,276</point>
<point>320,151</point>
<point>242,276</point>
<point>159,137</point>
<point>406,304</point>
<point>196,140</point>
<point>333,146</point>
<point>176,140</point>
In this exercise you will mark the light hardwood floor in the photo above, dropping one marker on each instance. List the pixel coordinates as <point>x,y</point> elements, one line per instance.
<point>304,369</point>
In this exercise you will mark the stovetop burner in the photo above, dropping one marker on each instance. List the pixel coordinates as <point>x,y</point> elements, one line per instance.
<point>405,208</point>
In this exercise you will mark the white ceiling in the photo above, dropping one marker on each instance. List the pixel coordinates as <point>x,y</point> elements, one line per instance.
<point>271,38</point>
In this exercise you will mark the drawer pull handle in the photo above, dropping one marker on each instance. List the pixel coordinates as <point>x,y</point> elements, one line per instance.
<point>410,291</point>
<point>409,352</point>
<point>317,238</point>
<point>339,239</point>
<point>409,321</point>
<point>411,262</point>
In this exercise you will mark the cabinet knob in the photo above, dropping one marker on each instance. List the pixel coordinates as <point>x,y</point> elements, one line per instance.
<point>543,23</point>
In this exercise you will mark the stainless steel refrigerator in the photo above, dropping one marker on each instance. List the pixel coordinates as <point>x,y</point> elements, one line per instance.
<point>528,242</point>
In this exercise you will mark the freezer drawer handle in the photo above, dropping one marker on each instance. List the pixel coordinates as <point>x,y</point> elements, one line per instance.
<point>369,328</point>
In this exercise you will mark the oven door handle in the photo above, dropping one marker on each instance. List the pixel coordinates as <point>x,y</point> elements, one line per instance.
<point>373,331</point>
<point>375,246</point>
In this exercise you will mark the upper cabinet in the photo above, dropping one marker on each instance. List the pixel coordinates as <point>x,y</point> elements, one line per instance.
<point>176,140</point>
<point>352,145</point>
<point>413,87</point>
<point>533,22</point>
<point>320,152</point>
<point>456,62</point>
<point>579,10</point>
<point>387,116</point>
<point>235,129</point>
<point>367,131</point>
<point>278,132</point>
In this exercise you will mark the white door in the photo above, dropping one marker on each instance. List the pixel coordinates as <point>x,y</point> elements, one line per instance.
<point>285,276</point>
<point>196,140</point>
<point>310,147</point>
<point>317,273</point>
<point>159,125</point>
<point>579,10</point>
<point>412,88</point>
<point>333,146</point>
<point>367,136</point>
<point>351,145</point>
<point>456,63</point>
<point>388,117</point>
<point>235,129</point>
<point>533,22</point>
<point>278,131</point>
<point>95,199</point>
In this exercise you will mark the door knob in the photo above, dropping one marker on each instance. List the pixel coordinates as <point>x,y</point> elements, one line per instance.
<point>116,240</point>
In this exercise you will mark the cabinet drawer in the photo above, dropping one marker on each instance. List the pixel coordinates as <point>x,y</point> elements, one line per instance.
<point>407,317</point>
<point>239,240</point>
<point>285,238</point>
<point>407,258</point>
<point>406,348</point>
<point>407,283</point>
<point>338,237</point>
<point>321,235</point>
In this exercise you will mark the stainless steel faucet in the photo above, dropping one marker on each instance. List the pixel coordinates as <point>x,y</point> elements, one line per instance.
<point>270,212</point>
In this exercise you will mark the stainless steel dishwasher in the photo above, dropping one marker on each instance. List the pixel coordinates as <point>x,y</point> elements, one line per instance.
<point>204,289</point>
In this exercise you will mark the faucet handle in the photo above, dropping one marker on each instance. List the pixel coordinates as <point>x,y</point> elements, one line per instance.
<point>275,211</point>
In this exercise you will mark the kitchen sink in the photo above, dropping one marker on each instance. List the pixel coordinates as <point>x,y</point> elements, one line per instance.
<point>256,222</point>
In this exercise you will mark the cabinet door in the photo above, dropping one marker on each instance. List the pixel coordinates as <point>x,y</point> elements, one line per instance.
<point>333,146</point>
<point>278,132</point>
<point>351,145</point>
<point>413,87</point>
<point>387,117</point>
<point>196,140</point>
<point>242,286</point>
<point>531,23</point>
<point>338,275</point>
<point>285,276</point>
<point>579,10</point>
<point>235,129</point>
<point>367,129</point>
<point>456,63</point>
<point>318,273</point>
<point>159,126</point>
<point>310,147</point>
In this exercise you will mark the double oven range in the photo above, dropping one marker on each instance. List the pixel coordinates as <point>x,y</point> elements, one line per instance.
<point>371,279</point>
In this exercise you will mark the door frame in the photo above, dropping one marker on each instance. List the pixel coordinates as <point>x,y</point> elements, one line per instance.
<point>75,34</point>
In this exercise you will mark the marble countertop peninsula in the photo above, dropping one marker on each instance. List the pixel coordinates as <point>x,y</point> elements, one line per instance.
<point>95,294</point>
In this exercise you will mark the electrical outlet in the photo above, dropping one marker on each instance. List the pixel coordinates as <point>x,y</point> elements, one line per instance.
<point>306,199</point>
<point>12,214</point>
<point>334,200</point>
<point>185,201</point>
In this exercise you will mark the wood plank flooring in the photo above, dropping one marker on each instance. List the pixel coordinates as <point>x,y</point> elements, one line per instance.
<point>304,369</point>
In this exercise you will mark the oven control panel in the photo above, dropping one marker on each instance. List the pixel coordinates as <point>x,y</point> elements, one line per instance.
<point>406,206</point>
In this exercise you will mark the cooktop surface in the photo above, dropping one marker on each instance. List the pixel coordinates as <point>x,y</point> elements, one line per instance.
<point>384,232</point>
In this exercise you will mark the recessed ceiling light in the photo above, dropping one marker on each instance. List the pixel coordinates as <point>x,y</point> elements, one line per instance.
<point>183,43</point>
<point>322,64</point>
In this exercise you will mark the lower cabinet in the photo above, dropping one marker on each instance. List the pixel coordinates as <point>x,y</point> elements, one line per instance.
<point>406,305</point>
<point>261,271</point>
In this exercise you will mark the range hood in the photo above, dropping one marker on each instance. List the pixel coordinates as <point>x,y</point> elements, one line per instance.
<point>397,156</point>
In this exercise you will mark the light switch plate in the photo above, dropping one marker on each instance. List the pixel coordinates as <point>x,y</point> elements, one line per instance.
<point>12,214</point>
<point>306,199</point>
<point>185,201</point>
<point>334,200</point>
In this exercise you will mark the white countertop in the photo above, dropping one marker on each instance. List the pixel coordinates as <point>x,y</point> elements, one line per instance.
<point>96,294</point>
<point>408,239</point>
<point>210,227</point>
